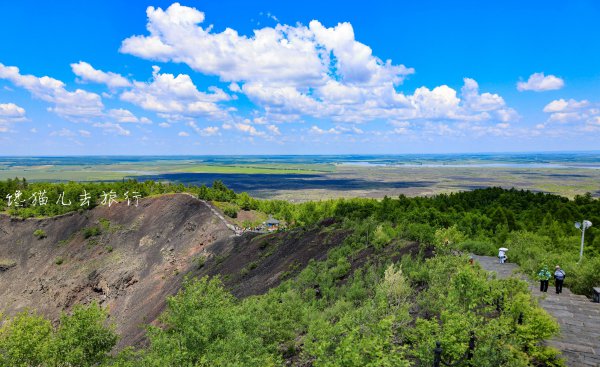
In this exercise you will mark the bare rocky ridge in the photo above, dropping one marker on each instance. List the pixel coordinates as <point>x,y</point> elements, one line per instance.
<point>141,257</point>
<point>137,260</point>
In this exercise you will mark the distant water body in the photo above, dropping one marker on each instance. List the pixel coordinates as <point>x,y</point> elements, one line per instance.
<point>472,165</point>
<point>542,160</point>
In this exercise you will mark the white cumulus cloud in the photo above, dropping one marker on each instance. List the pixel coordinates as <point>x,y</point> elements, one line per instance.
<point>76,105</point>
<point>10,113</point>
<point>292,72</point>
<point>87,73</point>
<point>112,128</point>
<point>583,113</point>
<point>283,54</point>
<point>85,133</point>
<point>170,94</point>
<point>274,129</point>
<point>561,105</point>
<point>122,115</point>
<point>207,131</point>
<point>538,82</point>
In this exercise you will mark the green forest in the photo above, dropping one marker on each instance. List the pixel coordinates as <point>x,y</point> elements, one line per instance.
<point>387,312</point>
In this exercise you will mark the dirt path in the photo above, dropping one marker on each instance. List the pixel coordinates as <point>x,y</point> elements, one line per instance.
<point>235,229</point>
<point>579,318</point>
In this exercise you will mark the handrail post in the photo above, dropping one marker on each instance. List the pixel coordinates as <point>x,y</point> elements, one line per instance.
<point>471,348</point>
<point>437,354</point>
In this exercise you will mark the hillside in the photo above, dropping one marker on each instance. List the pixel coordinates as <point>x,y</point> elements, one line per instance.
<point>133,258</point>
<point>134,261</point>
<point>337,286</point>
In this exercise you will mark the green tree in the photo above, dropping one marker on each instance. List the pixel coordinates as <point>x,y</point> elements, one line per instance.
<point>82,339</point>
<point>25,340</point>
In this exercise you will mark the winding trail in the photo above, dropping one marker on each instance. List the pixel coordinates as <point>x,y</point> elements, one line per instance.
<point>235,229</point>
<point>579,318</point>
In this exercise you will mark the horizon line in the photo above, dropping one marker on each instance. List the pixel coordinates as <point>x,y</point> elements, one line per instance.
<point>308,155</point>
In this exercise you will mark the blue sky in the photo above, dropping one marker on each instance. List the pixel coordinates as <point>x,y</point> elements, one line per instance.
<point>266,77</point>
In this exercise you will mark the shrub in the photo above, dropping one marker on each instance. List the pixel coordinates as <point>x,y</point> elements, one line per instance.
<point>584,276</point>
<point>59,260</point>
<point>230,211</point>
<point>82,339</point>
<point>104,223</point>
<point>200,261</point>
<point>479,247</point>
<point>91,231</point>
<point>6,264</point>
<point>422,233</point>
<point>447,239</point>
<point>40,233</point>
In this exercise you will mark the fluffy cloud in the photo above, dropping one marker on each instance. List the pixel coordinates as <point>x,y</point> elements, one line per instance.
<point>183,134</point>
<point>290,73</point>
<point>299,71</point>
<point>342,103</point>
<point>571,111</point>
<point>538,82</point>
<point>317,130</point>
<point>64,132</point>
<point>275,55</point>
<point>112,128</point>
<point>121,115</point>
<point>87,73</point>
<point>340,129</point>
<point>207,131</point>
<point>11,110</point>
<point>171,95</point>
<point>560,105</point>
<point>248,129</point>
<point>76,106</point>
<point>479,102</point>
<point>273,129</point>
<point>85,133</point>
<point>10,113</point>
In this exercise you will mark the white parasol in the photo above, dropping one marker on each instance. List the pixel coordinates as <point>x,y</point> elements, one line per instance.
<point>502,249</point>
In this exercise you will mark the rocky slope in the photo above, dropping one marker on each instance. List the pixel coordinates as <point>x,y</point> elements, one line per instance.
<point>130,259</point>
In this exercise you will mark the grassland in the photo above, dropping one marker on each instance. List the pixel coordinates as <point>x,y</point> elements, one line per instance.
<point>323,177</point>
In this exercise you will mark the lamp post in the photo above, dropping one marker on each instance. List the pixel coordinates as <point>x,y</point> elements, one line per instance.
<point>582,227</point>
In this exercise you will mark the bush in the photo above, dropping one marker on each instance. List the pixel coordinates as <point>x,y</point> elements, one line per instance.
<point>230,211</point>
<point>486,248</point>
<point>200,261</point>
<point>91,231</point>
<point>80,339</point>
<point>6,264</point>
<point>583,277</point>
<point>423,233</point>
<point>59,260</point>
<point>40,233</point>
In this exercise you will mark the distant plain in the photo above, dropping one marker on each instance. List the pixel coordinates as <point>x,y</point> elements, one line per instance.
<point>301,178</point>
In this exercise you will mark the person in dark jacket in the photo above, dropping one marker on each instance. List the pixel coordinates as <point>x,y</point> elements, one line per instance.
<point>559,278</point>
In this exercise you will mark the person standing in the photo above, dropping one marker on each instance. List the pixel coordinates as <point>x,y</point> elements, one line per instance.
<point>544,276</point>
<point>502,254</point>
<point>559,278</point>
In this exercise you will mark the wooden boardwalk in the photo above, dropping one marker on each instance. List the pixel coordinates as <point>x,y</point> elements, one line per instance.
<point>579,318</point>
